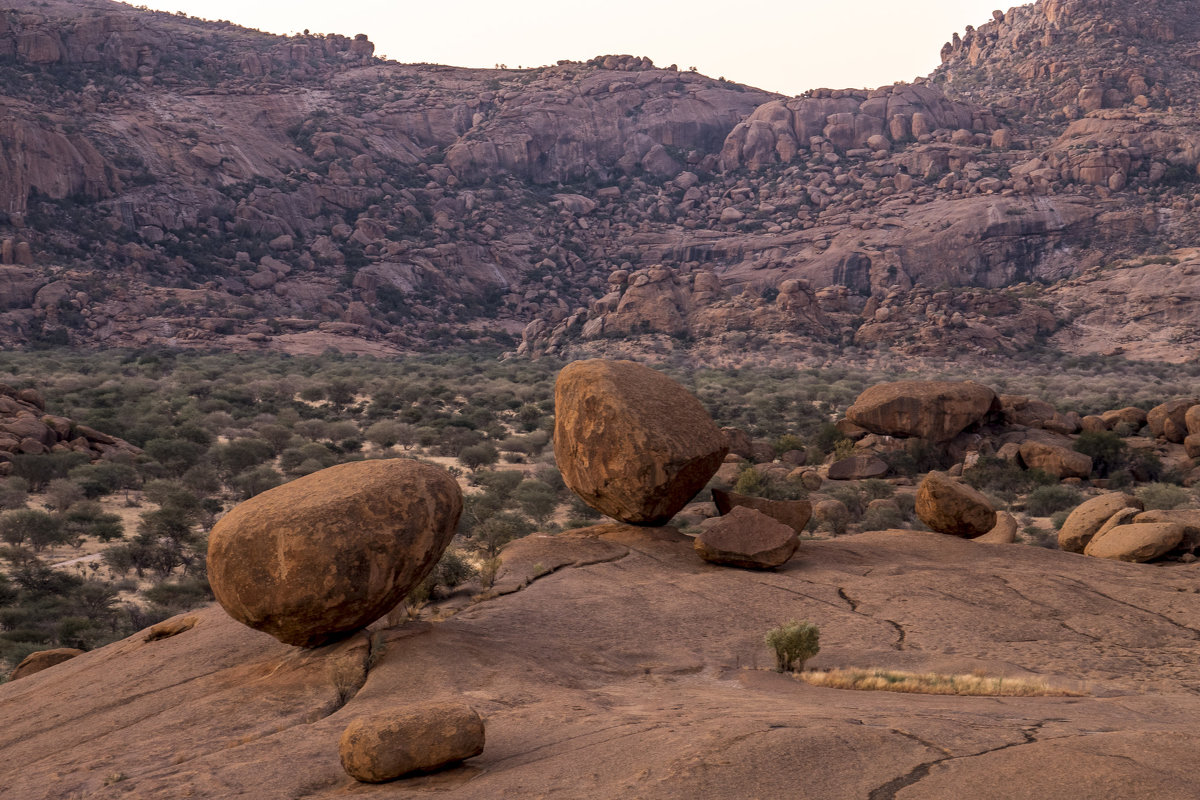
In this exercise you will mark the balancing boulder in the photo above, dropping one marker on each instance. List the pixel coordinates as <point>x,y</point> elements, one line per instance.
<point>631,442</point>
<point>333,551</point>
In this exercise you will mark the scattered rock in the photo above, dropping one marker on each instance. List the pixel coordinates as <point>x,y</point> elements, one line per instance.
<point>390,744</point>
<point>1004,531</point>
<point>333,551</point>
<point>1087,518</point>
<point>1138,542</point>
<point>1169,420</point>
<point>1057,461</point>
<point>43,659</point>
<point>793,513</point>
<point>947,506</point>
<point>748,538</point>
<point>857,468</point>
<point>933,410</point>
<point>631,442</point>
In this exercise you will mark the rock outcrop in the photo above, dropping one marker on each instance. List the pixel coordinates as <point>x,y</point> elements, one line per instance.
<point>631,442</point>
<point>333,551</point>
<point>1135,542</point>
<point>793,513</point>
<point>423,738</point>
<point>949,506</point>
<point>933,410</point>
<point>43,659</point>
<point>746,537</point>
<point>1088,517</point>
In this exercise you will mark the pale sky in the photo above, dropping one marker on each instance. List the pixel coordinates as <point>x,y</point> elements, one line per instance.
<point>785,47</point>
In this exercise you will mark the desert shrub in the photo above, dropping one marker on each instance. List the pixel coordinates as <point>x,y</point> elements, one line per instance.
<point>537,499</point>
<point>1162,495</point>
<point>88,518</point>
<point>478,455</point>
<point>176,455</point>
<point>915,458</point>
<point>104,478</point>
<point>240,455</point>
<point>451,571</point>
<point>37,528</point>
<point>1045,500</point>
<point>793,642</point>
<point>1004,478</point>
<point>751,482</point>
<point>180,595</point>
<point>498,530</point>
<point>827,438</point>
<point>1108,452</point>
<point>881,518</point>
<point>1058,518</point>
<point>39,470</point>
<point>14,493</point>
<point>256,481</point>
<point>61,493</point>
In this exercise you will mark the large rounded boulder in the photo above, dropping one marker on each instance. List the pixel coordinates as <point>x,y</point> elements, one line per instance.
<point>947,506</point>
<point>1089,517</point>
<point>333,551</point>
<point>631,442</point>
<point>933,410</point>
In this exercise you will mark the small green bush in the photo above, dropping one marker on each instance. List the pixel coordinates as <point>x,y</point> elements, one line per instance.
<point>794,642</point>
<point>1107,451</point>
<point>882,518</point>
<point>1046,500</point>
<point>1162,495</point>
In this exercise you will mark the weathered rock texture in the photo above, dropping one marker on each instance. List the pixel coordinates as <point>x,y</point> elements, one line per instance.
<point>1088,517</point>
<point>949,506</point>
<point>631,442</point>
<point>933,410</point>
<point>43,659</point>
<point>1136,542</point>
<point>423,738</point>
<point>746,537</point>
<point>622,672</point>
<point>793,513</point>
<point>333,551</point>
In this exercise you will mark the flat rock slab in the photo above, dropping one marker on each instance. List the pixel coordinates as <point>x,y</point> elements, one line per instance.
<point>747,538</point>
<point>645,675</point>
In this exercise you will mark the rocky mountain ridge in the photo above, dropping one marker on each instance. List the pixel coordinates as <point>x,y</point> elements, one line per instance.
<point>173,181</point>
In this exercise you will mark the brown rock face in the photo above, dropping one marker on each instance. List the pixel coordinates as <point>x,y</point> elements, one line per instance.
<point>934,410</point>
<point>856,468</point>
<point>1089,517</point>
<point>334,550</point>
<point>385,746</point>
<point>793,513</point>
<point>1138,542</point>
<point>1004,532</point>
<point>631,442</point>
<point>947,506</point>
<point>1169,420</point>
<point>747,538</point>
<point>43,659</point>
<point>1057,461</point>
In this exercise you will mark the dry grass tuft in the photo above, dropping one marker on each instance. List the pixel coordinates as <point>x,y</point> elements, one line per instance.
<point>931,683</point>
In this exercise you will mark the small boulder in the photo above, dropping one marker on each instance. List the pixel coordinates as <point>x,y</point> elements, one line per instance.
<point>832,515</point>
<point>43,659</point>
<point>1003,532</point>
<point>390,744</point>
<point>947,506</point>
<point>1130,417</point>
<point>631,442</point>
<point>857,468</point>
<point>747,538</point>
<point>793,513</point>
<point>333,551</point>
<point>933,410</point>
<point>1137,542</point>
<point>1057,461</point>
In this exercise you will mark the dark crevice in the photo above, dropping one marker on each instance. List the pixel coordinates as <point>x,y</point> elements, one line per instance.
<point>889,790</point>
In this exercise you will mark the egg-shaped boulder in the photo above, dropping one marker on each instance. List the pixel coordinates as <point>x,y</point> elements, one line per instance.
<point>333,551</point>
<point>631,442</point>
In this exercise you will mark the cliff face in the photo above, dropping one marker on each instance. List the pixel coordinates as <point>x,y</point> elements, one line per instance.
<point>195,183</point>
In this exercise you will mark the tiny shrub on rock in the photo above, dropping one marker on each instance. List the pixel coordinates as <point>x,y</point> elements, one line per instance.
<point>794,642</point>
